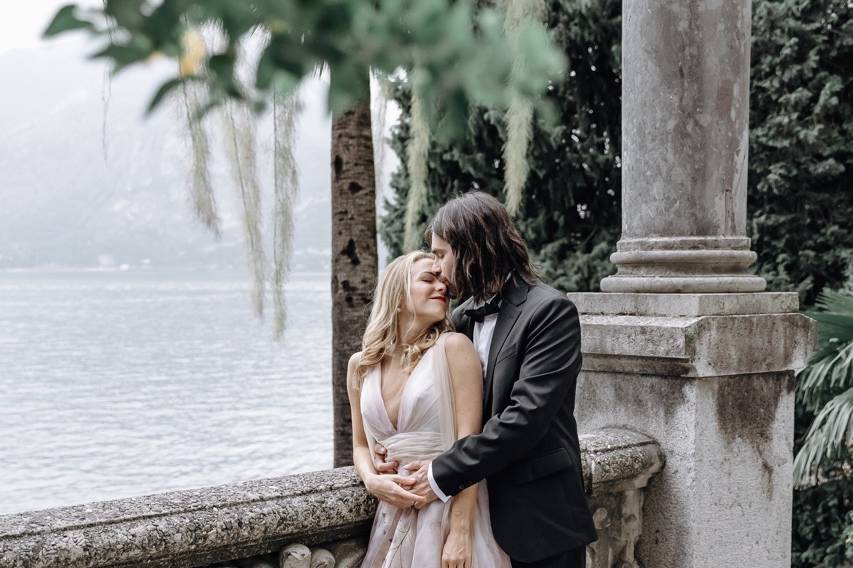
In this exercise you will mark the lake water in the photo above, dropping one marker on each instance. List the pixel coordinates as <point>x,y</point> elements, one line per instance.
<point>117,384</point>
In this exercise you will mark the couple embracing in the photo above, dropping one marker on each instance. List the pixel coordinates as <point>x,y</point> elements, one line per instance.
<point>463,425</point>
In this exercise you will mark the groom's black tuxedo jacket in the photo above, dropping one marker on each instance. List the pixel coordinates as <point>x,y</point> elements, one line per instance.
<point>528,450</point>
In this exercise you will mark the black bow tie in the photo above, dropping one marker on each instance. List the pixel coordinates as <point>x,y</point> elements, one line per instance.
<point>479,314</point>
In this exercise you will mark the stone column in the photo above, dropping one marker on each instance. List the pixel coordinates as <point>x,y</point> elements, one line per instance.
<point>683,345</point>
<point>685,138</point>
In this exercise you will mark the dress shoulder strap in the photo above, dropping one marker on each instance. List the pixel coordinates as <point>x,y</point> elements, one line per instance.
<point>443,381</point>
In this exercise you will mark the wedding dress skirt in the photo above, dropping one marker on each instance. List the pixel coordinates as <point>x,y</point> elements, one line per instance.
<point>411,538</point>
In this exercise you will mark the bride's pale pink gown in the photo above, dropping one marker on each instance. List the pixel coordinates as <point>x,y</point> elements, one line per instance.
<point>408,538</point>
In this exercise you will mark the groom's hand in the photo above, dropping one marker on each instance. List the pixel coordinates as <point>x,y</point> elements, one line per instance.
<point>379,453</point>
<point>421,486</point>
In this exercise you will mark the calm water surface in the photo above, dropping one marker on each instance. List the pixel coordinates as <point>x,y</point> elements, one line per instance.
<point>116,384</point>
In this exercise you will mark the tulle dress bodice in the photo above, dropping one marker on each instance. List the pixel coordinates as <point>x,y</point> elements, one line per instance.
<point>411,538</point>
<point>417,435</point>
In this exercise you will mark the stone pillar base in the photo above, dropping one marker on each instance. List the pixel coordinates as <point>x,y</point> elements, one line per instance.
<point>683,265</point>
<point>711,378</point>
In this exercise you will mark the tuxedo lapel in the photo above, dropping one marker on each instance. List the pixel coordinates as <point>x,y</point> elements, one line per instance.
<point>513,295</point>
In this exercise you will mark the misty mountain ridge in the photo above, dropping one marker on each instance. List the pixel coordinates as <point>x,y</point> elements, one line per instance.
<point>79,191</point>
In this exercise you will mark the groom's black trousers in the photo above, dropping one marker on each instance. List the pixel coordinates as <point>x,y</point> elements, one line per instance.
<point>574,558</point>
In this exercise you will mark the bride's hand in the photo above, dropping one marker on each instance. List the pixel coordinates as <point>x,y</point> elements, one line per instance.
<point>457,551</point>
<point>391,488</point>
<point>379,463</point>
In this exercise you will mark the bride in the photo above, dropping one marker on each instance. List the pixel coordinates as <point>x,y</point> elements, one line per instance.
<point>416,387</point>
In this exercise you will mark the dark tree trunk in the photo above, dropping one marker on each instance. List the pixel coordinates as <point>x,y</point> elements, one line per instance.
<point>354,257</point>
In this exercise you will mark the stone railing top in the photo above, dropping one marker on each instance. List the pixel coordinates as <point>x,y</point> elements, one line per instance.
<point>192,527</point>
<point>198,527</point>
<point>614,458</point>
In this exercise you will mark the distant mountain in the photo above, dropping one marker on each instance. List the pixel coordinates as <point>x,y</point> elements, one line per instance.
<point>70,196</point>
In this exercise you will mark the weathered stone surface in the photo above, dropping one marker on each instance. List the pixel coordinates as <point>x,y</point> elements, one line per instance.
<point>716,391</point>
<point>670,305</point>
<point>237,522</point>
<point>697,346</point>
<point>619,464</point>
<point>349,553</point>
<point>322,558</point>
<point>295,556</point>
<point>190,528</point>
<point>618,518</point>
<point>724,497</point>
<point>617,458</point>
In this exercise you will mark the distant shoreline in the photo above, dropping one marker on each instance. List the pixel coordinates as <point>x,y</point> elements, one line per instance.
<point>231,270</point>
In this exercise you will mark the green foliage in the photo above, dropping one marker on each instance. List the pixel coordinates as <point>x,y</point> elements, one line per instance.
<point>823,505</point>
<point>801,143</point>
<point>825,387</point>
<point>800,204</point>
<point>453,57</point>
<point>801,150</point>
<point>570,212</point>
<point>829,437</point>
<point>65,20</point>
<point>831,367</point>
<point>823,525</point>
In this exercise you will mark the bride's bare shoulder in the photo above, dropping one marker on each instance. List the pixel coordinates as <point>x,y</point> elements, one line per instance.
<point>353,363</point>
<point>463,361</point>
<point>355,358</point>
<point>458,344</point>
<point>353,382</point>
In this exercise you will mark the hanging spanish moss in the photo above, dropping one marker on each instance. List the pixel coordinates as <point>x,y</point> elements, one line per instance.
<point>189,103</point>
<point>416,155</point>
<point>201,191</point>
<point>379,111</point>
<point>239,142</point>
<point>519,115</point>
<point>286,184</point>
<point>106,91</point>
<point>240,147</point>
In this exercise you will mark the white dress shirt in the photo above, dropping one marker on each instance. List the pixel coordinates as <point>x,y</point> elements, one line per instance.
<point>483,332</point>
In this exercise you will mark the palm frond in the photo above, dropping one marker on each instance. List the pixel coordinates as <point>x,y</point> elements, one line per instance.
<point>830,371</point>
<point>835,314</point>
<point>835,301</point>
<point>828,439</point>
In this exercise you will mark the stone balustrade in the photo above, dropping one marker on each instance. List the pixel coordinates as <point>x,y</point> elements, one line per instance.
<point>288,520</point>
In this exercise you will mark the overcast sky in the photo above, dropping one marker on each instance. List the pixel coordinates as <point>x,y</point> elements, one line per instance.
<point>28,19</point>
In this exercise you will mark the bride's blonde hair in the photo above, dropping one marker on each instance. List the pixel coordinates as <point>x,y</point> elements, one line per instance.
<point>380,336</point>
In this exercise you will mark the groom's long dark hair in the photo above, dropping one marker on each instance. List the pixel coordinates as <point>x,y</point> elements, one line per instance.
<point>488,247</point>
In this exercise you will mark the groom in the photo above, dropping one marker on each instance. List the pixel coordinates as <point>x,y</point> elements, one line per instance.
<point>528,337</point>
